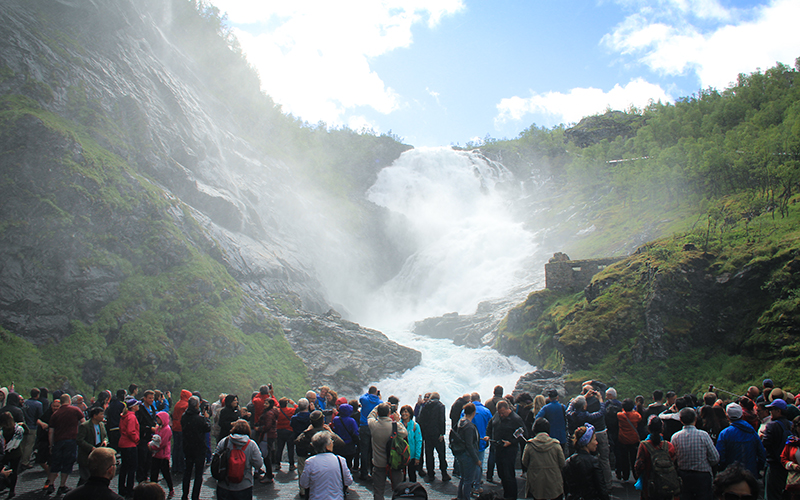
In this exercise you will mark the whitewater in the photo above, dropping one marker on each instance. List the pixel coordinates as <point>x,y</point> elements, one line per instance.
<point>455,208</point>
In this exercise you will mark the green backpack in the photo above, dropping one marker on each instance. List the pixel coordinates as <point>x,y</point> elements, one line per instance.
<point>398,454</point>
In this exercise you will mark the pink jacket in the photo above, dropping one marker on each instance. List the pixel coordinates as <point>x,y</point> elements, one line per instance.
<point>165,431</point>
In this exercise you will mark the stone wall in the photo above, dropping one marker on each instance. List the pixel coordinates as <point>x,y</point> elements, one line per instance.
<point>561,273</point>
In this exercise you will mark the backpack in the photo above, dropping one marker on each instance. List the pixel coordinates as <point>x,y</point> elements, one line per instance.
<point>457,443</point>
<point>229,464</point>
<point>398,453</point>
<point>410,490</point>
<point>664,482</point>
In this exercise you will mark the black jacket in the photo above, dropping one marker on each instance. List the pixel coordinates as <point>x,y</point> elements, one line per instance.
<point>194,428</point>
<point>583,477</point>
<point>502,429</point>
<point>431,419</point>
<point>96,488</point>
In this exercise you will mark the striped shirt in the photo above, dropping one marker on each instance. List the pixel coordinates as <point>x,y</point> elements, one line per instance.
<point>696,452</point>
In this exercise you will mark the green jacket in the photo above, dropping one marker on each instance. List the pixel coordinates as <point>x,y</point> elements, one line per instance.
<point>87,439</point>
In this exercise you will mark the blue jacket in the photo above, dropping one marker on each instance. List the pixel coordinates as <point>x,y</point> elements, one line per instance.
<point>739,442</point>
<point>481,420</point>
<point>555,413</point>
<point>368,403</point>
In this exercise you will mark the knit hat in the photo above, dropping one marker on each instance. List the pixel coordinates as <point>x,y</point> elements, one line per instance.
<point>131,402</point>
<point>734,411</point>
<point>341,401</point>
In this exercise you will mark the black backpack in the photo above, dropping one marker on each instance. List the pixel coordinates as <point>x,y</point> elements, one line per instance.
<point>664,482</point>
<point>457,444</point>
<point>414,491</point>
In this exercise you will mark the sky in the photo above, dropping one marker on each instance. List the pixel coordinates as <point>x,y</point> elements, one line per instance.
<point>445,72</point>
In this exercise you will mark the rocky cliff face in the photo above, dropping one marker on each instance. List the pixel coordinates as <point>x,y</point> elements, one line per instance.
<point>127,166</point>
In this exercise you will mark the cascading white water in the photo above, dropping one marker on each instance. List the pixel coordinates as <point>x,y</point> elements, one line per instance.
<point>467,248</point>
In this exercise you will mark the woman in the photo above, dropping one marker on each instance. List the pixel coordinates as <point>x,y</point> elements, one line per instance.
<point>538,403</point>
<point>467,456</point>
<point>239,439</point>
<point>266,434</point>
<point>194,427</point>
<point>228,415</point>
<point>414,441</point>
<point>357,417</point>
<point>285,413</point>
<point>128,441</point>
<point>790,458</point>
<point>12,435</point>
<point>629,440</point>
<point>644,457</point>
<point>162,452</point>
<point>544,459</point>
<point>345,426</point>
<point>584,475</point>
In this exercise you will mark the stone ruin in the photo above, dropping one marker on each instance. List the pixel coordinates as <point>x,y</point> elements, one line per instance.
<point>561,273</point>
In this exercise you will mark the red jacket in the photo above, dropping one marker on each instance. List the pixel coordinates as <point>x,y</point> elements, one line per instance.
<point>179,410</point>
<point>284,418</point>
<point>129,430</point>
<point>628,420</point>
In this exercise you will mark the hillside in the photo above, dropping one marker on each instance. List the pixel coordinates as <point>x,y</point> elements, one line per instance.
<point>163,222</point>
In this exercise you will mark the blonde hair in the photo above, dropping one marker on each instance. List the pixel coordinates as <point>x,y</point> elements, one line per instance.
<point>538,403</point>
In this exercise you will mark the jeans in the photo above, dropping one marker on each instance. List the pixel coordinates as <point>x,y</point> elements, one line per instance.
<point>198,464</point>
<point>470,473</point>
<point>695,485</point>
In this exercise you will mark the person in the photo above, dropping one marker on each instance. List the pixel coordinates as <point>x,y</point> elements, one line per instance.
<point>481,420</point>
<point>63,431</point>
<point>712,417</point>
<point>113,415</point>
<point>228,415</point>
<point>146,414</point>
<point>91,435</point>
<point>368,402</point>
<point>644,455</point>
<point>325,476</point>
<point>162,452</point>
<point>216,407</point>
<point>491,405</point>
<point>129,436</point>
<point>613,406</point>
<point>590,408</point>
<point>455,416</point>
<point>735,482</point>
<point>43,444</point>
<point>628,437</point>
<point>178,459</point>
<point>657,407</point>
<point>102,466</point>
<point>195,426</point>
<point>544,459</point>
<point>696,457</point>
<point>13,435</point>
<point>468,458</point>
<point>790,457</point>
<point>345,426</point>
<point>148,491</point>
<point>285,414</point>
<point>775,436</point>
<point>739,442</point>
<point>556,414</point>
<point>584,477</point>
<point>163,401</point>
<point>304,449</point>
<point>381,427</point>
<point>414,441</point>
<point>266,434</point>
<point>33,411</point>
<point>239,439</point>
<point>431,423</point>
<point>503,429</point>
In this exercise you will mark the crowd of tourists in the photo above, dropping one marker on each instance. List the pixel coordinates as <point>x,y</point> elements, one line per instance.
<point>721,446</point>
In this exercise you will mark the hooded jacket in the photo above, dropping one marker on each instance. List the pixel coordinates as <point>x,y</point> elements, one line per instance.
<point>128,430</point>
<point>227,416</point>
<point>194,427</point>
<point>165,431</point>
<point>544,458</point>
<point>739,442</point>
<point>345,426</point>
<point>254,459</point>
<point>177,411</point>
<point>368,402</point>
<point>469,434</point>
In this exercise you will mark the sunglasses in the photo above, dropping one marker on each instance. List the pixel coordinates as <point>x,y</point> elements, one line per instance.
<point>733,496</point>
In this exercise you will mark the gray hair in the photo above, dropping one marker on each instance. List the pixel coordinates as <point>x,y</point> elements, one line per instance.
<point>194,402</point>
<point>302,404</point>
<point>321,440</point>
<point>579,403</point>
<point>611,393</point>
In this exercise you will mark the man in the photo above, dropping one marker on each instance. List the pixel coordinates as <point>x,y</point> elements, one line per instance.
<point>500,430</point>
<point>63,435</point>
<point>775,435</point>
<point>32,410</point>
<point>767,386</point>
<point>491,405</point>
<point>381,426</point>
<point>368,402</point>
<point>753,393</point>
<point>671,398</point>
<point>305,449</point>
<point>260,400</point>
<point>325,476</point>
<point>594,412</point>
<point>613,406</point>
<point>656,407</point>
<point>102,466</point>
<point>146,415</point>
<point>696,456</point>
<point>91,435</point>
<point>556,414</point>
<point>113,416</point>
<point>431,423</point>
<point>739,442</point>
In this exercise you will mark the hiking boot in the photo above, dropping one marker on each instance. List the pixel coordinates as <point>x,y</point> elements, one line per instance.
<point>62,490</point>
<point>446,476</point>
<point>49,489</point>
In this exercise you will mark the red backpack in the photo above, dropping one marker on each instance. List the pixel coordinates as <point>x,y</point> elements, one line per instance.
<point>236,464</point>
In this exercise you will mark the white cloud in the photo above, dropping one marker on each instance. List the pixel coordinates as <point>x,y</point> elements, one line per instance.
<point>314,56</point>
<point>740,42</point>
<point>580,102</point>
